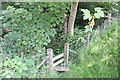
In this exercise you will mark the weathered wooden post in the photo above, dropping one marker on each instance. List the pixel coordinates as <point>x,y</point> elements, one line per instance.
<point>66,52</point>
<point>50,60</point>
<point>109,18</point>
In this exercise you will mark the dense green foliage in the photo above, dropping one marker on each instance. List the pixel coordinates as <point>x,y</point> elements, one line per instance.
<point>37,26</point>
<point>33,32</point>
<point>32,27</point>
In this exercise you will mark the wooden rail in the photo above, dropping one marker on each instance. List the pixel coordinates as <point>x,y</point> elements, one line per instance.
<point>58,62</point>
<point>58,56</point>
<point>41,64</point>
<point>73,52</point>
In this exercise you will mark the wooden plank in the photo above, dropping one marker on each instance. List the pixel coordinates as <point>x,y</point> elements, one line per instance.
<point>66,52</point>
<point>41,64</point>
<point>73,52</point>
<point>58,62</point>
<point>58,56</point>
<point>62,68</point>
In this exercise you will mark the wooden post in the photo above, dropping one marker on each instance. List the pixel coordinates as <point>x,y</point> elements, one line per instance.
<point>66,52</point>
<point>50,60</point>
<point>88,39</point>
<point>109,18</point>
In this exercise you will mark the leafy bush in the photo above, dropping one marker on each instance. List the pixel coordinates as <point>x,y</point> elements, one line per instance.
<point>18,67</point>
<point>27,34</point>
<point>32,26</point>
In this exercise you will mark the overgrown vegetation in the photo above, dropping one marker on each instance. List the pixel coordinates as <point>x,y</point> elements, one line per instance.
<point>34,27</point>
<point>102,59</point>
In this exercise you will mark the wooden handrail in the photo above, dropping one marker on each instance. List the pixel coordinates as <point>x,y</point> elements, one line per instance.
<point>58,62</point>
<point>73,52</point>
<point>58,56</point>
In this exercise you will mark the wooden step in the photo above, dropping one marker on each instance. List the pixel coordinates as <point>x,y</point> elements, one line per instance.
<point>62,68</point>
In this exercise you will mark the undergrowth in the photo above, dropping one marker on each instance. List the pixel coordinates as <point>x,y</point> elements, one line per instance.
<point>101,61</point>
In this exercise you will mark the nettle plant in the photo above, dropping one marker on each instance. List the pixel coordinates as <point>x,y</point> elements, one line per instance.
<point>91,17</point>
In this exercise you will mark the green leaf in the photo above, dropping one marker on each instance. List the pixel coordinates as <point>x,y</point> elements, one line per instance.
<point>86,14</point>
<point>6,63</point>
<point>90,18</point>
<point>25,68</point>
<point>16,67</point>
<point>15,61</point>
<point>17,4</point>
<point>9,7</point>
<point>99,14</point>
<point>18,76</point>
<point>20,70</point>
<point>19,63</point>
<point>8,76</point>
<point>11,62</point>
<point>6,72</point>
<point>39,51</point>
<point>12,73</point>
<point>98,8</point>
<point>88,28</point>
<point>1,17</point>
<point>25,43</point>
<point>85,11</point>
<point>17,57</point>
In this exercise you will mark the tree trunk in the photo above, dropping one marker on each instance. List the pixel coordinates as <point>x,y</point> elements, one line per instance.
<point>72,18</point>
<point>65,20</point>
<point>65,24</point>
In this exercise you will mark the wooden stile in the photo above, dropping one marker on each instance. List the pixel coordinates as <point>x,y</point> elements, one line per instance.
<point>51,59</point>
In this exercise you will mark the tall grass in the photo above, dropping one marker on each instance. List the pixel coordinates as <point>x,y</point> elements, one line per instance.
<point>101,61</point>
